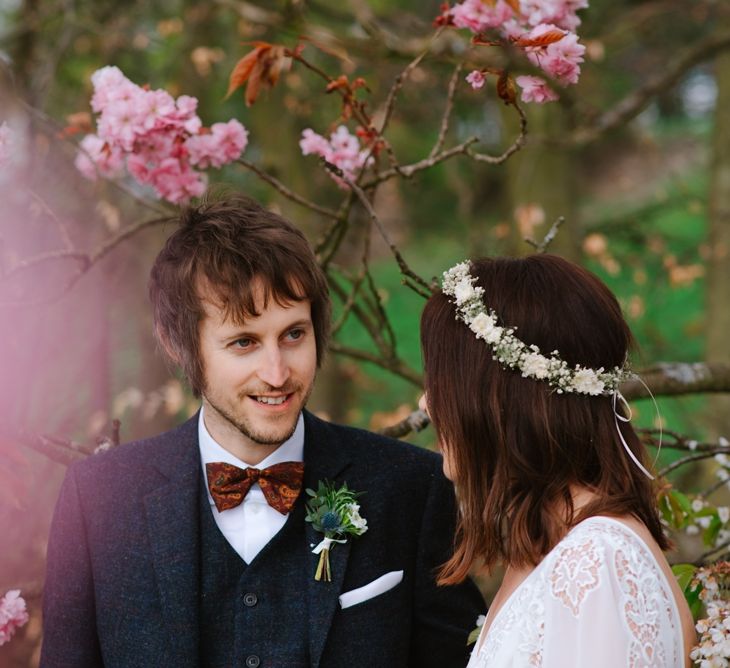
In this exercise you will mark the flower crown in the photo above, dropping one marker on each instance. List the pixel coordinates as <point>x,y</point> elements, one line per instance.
<point>514,354</point>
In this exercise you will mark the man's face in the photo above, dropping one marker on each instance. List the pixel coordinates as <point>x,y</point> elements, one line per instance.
<point>258,374</point>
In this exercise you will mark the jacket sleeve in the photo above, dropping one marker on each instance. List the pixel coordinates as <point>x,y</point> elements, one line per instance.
<point>69,617</point>
<point>443,616</point>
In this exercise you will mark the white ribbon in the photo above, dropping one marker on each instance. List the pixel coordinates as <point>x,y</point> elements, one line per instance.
<point>326,544</point>
<point>617,417</point>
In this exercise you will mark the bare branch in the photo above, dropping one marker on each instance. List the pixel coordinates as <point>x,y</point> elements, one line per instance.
<point>409,170</point>
<point>548,239</point>
<point>707,454</point>
<point>402,264</point>
<point>415,422</point>
<point>400,80</point>
<point>287,192</point>
<point>85,260</point>
<point>672,379</point>
<point>61,451</point>
<point>393,364</point>
<point>446,118</point>
<point>516,145</point>
<point>636,101</point>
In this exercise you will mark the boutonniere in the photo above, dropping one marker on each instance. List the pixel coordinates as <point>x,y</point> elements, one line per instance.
<point>335,513</point>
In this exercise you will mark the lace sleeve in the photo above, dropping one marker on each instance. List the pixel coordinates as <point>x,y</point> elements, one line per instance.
<point>607,604</point>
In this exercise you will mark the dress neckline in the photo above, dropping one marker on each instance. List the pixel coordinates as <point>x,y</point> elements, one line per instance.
<point>594,518</point>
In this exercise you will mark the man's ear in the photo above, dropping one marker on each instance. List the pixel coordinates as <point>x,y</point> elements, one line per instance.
<point>166,345</point>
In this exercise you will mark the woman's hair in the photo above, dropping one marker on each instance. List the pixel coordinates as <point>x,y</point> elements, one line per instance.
<point>517,446</point>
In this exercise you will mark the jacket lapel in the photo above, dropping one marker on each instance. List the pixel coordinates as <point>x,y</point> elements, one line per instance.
<point>173,526</point>
<point>323,460</point>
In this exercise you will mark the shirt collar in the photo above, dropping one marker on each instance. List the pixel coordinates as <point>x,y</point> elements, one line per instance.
<point>291,450</point>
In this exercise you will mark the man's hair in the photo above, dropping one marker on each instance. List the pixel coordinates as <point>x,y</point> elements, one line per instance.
<point>229,245</point>
<point>517,446</point>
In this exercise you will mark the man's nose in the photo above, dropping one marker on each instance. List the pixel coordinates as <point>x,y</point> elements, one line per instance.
<point>274,369</point>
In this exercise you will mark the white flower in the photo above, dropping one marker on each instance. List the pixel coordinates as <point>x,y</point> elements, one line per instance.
<point>723,512</point>
<point>353,515</point>
<point>723,441</point>
<point>692,445</point>
<point>464,291</point>
<point>697,505</point>
<point>586,381</point>
<point>481,619</point>
<point>485,327</point>
<point>704,522</point>
<point>722,474</point>
<point>692,530</point>
<point>722,459</point>
<point>535,366</point>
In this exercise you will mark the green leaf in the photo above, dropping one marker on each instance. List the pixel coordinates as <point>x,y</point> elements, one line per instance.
<point>474,635</point>
<point>685,574</point>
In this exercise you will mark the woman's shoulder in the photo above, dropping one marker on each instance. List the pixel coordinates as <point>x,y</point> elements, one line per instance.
<point>602,556</point>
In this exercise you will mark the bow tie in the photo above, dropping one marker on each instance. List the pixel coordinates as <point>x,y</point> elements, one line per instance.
<point>280,483</point>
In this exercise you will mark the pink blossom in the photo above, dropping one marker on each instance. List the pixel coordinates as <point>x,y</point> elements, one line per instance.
<point>342,150</point>
<point>478,16</point>
<point>97,157</point>
<point>561,59</point>
<point>158,138</point>
<point>224,143</point>
<point>562,13</point>
<point>176,181</point>
<point>311,142</point>
<point>535,89</point>
<point>476,79</point>
<point>12,614</point>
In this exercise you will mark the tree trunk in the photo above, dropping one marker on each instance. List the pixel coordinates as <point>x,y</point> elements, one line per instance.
<point>718,274</point>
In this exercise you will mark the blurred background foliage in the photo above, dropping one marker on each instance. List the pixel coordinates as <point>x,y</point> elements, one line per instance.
<point>638,201</point>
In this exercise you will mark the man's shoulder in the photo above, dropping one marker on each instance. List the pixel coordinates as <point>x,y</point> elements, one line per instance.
<point>143,453</point>
<point>361,443</point>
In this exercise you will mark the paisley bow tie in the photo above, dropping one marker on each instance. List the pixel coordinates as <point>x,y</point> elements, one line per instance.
<point>280,483</point>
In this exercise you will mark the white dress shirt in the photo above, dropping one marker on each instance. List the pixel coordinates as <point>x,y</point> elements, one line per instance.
<point>251,525</point>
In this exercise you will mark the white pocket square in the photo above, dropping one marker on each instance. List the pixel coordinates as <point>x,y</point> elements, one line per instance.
<point>371,590</point>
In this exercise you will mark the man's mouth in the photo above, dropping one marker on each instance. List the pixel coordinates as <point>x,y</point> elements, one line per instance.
<point>272,401</point>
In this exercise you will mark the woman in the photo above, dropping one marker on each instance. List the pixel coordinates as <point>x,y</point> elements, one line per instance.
<point>523,360</point>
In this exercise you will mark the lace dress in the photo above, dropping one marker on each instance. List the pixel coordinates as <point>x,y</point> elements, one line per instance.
<point>598,599</point>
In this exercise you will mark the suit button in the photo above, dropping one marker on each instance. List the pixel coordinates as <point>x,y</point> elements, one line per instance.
<point>250,600</point>
<point>252,661</point>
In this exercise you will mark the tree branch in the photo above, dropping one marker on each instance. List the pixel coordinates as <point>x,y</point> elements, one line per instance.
<point>393,364</point>
<point>287,192</point>
<point>636,101</point>
<point>672,379</point>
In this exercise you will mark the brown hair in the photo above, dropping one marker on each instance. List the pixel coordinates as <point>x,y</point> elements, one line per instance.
<point>229,243</point>
<point>516,445</point>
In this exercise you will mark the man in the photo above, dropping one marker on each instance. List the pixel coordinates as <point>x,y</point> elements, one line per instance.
<point>191,548</point>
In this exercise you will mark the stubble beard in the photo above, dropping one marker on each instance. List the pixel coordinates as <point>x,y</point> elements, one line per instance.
<point>248,430</point>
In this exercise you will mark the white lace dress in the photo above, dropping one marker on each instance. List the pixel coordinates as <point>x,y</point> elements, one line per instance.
<point>598,599</point>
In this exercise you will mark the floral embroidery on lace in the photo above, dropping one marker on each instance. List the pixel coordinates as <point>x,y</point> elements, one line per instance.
<point>599,554</point>
<point>644,605</point>
<point>575,573</point>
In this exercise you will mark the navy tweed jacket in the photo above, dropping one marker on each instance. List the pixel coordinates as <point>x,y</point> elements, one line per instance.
<point>123,578</point>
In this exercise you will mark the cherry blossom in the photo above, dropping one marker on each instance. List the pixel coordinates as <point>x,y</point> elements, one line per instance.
<point>12,614</point>
<point>478,16</point>
<point>560,60</point>
<point>535,89</point>
<point>342,150</point>
<point>157,139</point>
<point>475,79</point>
